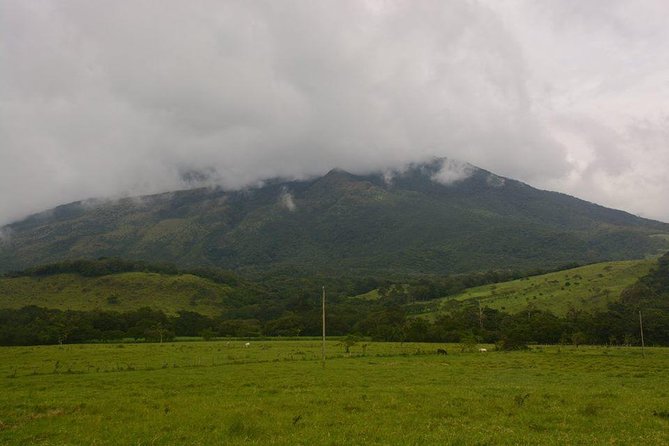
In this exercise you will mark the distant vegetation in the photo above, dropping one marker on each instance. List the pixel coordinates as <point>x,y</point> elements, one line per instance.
<point>122,285</point>
<point>587,288</point>
<point>105,266</point>
<point>283,308</point>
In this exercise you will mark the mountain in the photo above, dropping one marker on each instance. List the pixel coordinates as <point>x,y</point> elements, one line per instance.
<point>438,217</point>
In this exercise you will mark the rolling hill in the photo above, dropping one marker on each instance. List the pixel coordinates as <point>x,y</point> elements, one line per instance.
<point>414,221</point>
<point>118,292</point>
<point>121,286</point>
<point>587,288</point>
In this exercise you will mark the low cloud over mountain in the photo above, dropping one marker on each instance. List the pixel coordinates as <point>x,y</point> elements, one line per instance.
<point>106,99</point>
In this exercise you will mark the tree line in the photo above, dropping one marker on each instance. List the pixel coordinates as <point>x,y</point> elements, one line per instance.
<point>104,266</point>
<point>383,319</point>
<point>617,326</point>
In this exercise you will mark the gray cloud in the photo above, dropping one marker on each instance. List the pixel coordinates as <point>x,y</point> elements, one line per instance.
<point>107,99</point>
<point>599,85</point>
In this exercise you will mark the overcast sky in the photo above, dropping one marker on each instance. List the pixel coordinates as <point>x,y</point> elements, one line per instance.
<point>125,97</point>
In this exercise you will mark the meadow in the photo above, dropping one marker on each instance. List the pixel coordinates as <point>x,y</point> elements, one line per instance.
<point>116,292</point>
<point>278,393</point>
<point>587,288</point>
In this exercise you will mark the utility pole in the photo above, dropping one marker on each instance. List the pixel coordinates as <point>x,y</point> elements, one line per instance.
<point>480,315</point>
<point>323,346</point>
<point>641,328</point>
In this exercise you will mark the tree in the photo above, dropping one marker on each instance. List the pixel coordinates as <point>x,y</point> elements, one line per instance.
<point>158,332</point>
<point>208,334</point>
<point>579,338</point>
<point>468,343</point>
<point>349,341</point>
<point>417,330</point>
<point>289,324</point>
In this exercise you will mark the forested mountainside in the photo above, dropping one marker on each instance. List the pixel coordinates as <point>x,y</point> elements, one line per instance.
<point>409,222</point>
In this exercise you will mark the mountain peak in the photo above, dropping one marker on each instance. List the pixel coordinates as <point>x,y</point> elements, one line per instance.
<point>338,172</point>
<point>336,176</point>
<point>441,216</point>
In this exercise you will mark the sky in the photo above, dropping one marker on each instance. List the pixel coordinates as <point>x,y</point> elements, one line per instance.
<point>109,99</point>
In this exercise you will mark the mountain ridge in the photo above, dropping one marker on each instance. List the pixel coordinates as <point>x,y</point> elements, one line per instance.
<point>436,217</point>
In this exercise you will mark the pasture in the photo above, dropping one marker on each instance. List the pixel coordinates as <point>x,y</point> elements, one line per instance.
<point>587,288</point>
<point>116,292</point>
<point>276,392</point>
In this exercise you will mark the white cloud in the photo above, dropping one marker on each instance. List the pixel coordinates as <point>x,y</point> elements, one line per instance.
<point>287,201</point>
<point>452,171</point>
<point>101,99</point>
<point>597,79</point>
<point>5,236</point>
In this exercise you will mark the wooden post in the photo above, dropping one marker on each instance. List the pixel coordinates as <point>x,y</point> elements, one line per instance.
<point>641,328</point>
<point>480,315</point>
<point>323,346</point>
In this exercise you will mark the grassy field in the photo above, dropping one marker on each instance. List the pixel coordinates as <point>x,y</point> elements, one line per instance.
<point>117,292</point>
<point>587,288</point>
<point>276,392</point>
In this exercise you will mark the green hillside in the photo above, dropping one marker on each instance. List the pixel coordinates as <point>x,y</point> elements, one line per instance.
<point>118,292</point>
<point>606,299</point>
<point>342,224</point>
<point>586,288</point>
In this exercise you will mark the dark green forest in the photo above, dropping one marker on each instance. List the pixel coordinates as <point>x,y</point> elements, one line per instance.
<point>342,224</point>
<point>282,307</point>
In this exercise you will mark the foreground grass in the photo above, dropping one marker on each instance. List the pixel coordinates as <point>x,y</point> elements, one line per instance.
<point>276,392</point>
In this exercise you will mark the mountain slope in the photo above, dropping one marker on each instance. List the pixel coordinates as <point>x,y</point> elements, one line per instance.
<point>122,286</point>
<point>118,292</point>
<point>586,288</point>
<point>343,223</point>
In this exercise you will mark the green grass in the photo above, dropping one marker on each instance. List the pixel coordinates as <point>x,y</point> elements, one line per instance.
<point>275,392</point>
<point>587,288</point>
<point>117,292</point>
<point>369,295</point>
